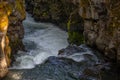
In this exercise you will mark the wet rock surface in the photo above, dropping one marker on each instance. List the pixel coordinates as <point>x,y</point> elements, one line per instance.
<point>64,68</point>
<point>71,49</point>
<point>61,69</point>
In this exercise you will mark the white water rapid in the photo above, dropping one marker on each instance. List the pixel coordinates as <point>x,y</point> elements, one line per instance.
<point>41,41</point>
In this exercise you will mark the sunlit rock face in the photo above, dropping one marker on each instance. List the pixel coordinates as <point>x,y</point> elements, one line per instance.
<point>12,13</point>
<point>3,29</point>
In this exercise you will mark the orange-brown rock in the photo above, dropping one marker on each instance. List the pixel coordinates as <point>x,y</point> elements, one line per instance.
<point>12,12</point>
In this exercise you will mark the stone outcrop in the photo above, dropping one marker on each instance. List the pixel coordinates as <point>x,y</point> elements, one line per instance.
<point>99,19</point>
<point>101,25</point>
<point>55,11</point>
<point>12,12</point>
<point>15,29</point>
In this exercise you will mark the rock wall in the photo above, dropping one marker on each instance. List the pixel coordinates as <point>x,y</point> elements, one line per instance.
<point>15,29</point>
<point>99,19</point>
<point>12,12</point>
<point>102,25</point>
<point>55,11</point>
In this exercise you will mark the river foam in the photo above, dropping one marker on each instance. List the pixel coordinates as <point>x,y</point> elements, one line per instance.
<point>41,41</point>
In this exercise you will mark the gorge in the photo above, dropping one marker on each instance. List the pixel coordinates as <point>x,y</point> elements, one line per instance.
<point>66,40</point>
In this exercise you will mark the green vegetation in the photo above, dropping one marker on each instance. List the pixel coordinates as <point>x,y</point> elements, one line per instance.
<point>75,38</point>
<point>75,29</point>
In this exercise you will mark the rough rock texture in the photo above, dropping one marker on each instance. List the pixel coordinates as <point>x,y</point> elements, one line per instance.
<point>55,11</point>
<point>73,63</point>
<point>56,68</point>
<point>100,20</point>
<point>12,12</point>
<point>102,25</point>
<point>15,29</point>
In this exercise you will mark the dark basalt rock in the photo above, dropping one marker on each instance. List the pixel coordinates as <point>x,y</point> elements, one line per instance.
<point>71,49</point>
<point>57,11</point>
<point>64,68</point>
<point>58,68</point>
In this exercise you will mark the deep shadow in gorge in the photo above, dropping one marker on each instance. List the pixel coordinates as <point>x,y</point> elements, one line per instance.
<point>48,55</point>
<point>43,40</point>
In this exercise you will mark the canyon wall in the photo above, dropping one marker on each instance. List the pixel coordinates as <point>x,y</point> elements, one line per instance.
<point>102,25</point>
<point>97,20</point>
<point>12,13</point>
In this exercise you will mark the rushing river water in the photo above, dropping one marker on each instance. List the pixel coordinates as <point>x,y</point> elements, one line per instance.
<point>41,41</point>
<point>42,62</point>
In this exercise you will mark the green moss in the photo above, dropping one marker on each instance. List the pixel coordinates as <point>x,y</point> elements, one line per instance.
<point>36,11</point>
<point>68,24</point>
<point>19,6</point>
<point>44,14</point>
<point>75,38</point>
<point>75,29</point>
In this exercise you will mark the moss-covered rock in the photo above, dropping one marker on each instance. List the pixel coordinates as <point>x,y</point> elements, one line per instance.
<point>75,38</point>
<point>75,29</point>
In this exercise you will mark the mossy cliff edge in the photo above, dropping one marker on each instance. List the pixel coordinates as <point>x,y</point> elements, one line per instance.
<point>12,12</point>
<point>98,20</point>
